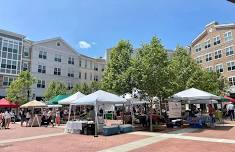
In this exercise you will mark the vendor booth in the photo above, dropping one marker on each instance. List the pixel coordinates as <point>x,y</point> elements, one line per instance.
<point>35,120</point>
<point>56,99</point>
<point>4,103</point>
<point>70,99</point>
<point>193,114</point>
<point>95,100</point>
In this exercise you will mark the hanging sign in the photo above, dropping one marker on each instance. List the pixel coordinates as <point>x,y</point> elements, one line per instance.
<point>174,109</point>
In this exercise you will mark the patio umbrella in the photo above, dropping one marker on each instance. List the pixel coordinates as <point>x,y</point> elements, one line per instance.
<point>55,100</point>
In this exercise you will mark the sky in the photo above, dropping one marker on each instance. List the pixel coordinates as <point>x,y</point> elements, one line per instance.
<point>92,26</point>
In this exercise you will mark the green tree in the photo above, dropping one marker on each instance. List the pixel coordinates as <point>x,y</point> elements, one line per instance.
<point>116,76</point>
<point>19,90</point>
<point>55,88</point>
<point>76,88</point>
<point>150,70</point>
<point>94,86</point>
<point>186,73</point>
<point>85,89</point>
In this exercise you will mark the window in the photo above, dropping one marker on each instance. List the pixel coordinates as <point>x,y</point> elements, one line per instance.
<point>197,48</point>
<point>71,60</point>
<point>57,71</point>
<point>198,60</point>
<point>96,78</point>
<point>58,44</point>
<point>228,36</point>
<point>80,63</point>
<point>91,76</point>
<point>218,54</point>
<point>71,74</point>
<point>231,81</point>
<point>229,51</point>
<point>219,68</point>
<point>41,69</point>
<point>96,67</point>
<point>210,68</point>
<point>80,75</point>
<point>25,66</point>
<point>208,57</point>
<point>85,63</point>
<point>26,51</point>
<point>42,55</point>
<point>231,65</point>
<point>7,81</point>
<point>57,58</point>
<point>207,44</point>
<point>90,64</point>
<point>85,76</point>
<point>102,68</point>
<point>70,86</point>
<point>216,40</point>
<point>41,84</point>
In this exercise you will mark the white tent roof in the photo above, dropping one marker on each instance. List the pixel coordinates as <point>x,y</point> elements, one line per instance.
<point>71,98</point>
<point>99,97</point>
<point>33,103</point>
<point>194,94</point>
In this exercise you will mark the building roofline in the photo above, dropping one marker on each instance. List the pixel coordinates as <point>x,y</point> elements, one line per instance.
<point>200,35</point>
<point>58,39</point>
<point>12,34</point>
<point>225,25</point>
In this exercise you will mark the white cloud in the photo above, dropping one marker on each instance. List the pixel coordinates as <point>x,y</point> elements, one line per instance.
<point>84,44</point>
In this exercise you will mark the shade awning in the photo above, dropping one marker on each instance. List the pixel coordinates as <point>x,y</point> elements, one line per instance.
<point>194,94</point>
<point>33,104</point>
<point>4,103</point>
<point>56,99</point>
<point>70,99</point>
<point>99,97</point>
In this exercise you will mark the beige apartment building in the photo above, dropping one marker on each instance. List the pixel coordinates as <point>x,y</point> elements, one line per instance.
<point>214,49</point>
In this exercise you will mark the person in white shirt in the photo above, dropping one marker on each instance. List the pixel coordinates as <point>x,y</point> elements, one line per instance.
<point>28,116</point>
<point>230,110</point>
<point>7,117</point>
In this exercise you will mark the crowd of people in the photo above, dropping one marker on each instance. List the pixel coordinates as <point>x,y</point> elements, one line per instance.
<point>6,116</point>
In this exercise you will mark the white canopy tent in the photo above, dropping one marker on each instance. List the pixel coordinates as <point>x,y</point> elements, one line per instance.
<point>195,96</point>
<point>97,98</point>
<point>71,98</point>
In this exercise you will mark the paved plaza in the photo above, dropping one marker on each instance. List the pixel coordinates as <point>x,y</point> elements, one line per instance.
<point>27,139</point>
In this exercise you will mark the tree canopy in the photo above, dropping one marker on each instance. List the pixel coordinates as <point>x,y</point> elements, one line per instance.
<point>116,77</point>
<point>19,88</point>
<point>55,88</point>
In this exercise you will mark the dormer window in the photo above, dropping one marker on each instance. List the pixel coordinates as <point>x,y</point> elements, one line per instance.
<point>58,44</point>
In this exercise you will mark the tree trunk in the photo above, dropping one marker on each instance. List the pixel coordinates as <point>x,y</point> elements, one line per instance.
<point>150,116</point>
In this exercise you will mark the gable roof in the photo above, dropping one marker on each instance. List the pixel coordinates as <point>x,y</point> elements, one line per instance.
<point>12,34</point>
<point>56,39</point>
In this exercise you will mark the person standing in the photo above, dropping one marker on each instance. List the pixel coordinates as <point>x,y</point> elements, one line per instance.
<point>28,116</point>
<point>57,117</point>
<point>22,117</point>
<point>12,116</point>
<point>49,118</point>
<point>7,117</point>
<point>230,111</point>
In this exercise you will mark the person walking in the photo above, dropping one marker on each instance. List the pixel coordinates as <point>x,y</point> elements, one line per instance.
<point>230,111</point>
<point>7,117</point>
<point>12,116</point>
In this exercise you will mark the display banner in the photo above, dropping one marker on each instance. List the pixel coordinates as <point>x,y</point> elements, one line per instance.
<point>174,109</point>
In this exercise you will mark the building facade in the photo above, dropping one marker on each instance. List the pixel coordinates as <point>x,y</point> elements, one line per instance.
<point>214,49</point>
<point>47,60</point>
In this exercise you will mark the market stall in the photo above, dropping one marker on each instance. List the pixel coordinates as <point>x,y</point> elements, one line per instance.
<point>96,99</point>
<point>4,103</point>
<point>194,115</point>
<point>56,99</point>
<point>68,100</point>
<point>36,118</point>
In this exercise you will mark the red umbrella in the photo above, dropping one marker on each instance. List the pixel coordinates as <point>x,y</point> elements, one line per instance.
<point>4,103</point>
<point>230,99</point>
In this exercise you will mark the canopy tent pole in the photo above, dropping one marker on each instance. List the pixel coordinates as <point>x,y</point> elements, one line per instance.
<point>123,109</point>
<point>96,121</point>
<point>70,106</point>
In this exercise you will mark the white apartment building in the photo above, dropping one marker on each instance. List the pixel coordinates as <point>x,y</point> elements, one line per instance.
<point>50,60</point>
